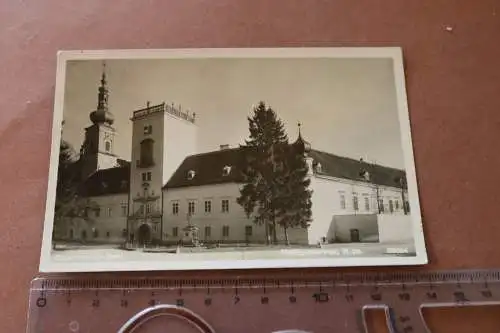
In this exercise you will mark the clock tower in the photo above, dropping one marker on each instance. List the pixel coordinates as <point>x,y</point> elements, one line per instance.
<point>97,151</point>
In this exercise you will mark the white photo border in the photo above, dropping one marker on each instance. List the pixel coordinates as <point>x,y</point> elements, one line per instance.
<point>47,264</point>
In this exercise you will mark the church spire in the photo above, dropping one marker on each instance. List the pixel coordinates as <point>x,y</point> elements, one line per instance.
<point>302,145</point>
<point>101,114</point>
<point>102,101</point>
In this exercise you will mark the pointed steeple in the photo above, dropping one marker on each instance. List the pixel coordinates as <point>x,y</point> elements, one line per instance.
<point>102,102</point>
<point>101,114</point>
<point>302,145</point>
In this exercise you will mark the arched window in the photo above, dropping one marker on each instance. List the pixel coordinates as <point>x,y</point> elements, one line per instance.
<point>107,146</point>
<point>146,154</point>
<point>84,234</point>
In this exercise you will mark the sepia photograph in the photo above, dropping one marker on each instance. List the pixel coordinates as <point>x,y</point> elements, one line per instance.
<point>229,159</point>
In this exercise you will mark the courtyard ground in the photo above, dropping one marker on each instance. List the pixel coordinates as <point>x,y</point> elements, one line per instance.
<point>111,253</point>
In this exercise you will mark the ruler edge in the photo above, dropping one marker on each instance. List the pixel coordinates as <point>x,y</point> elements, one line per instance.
<point>100,282</point>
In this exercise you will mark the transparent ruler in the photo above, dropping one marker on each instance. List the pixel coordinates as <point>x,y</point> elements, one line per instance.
<point>255,302</point>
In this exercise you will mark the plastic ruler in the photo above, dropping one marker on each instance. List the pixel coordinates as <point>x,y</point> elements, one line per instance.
<point>255,302</point>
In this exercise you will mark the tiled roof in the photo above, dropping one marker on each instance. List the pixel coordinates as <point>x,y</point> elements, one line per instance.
<point>348,168</point>
<point>208,169</point>
<point>108,181</point>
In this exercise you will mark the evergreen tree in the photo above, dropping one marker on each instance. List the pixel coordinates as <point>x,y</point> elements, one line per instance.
<point>295,200</point>
<point>69,203</point>
<point>264,174</point>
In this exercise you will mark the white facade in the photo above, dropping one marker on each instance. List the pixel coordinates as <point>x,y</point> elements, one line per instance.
<point>213,209</point>
<point>162,137</point>
<point>106,224</point>
<point>219,218</point>
<point>98,152</point>
<point>336,197</point>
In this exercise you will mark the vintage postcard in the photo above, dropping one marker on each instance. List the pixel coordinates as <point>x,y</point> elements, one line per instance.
<point>231,158</point>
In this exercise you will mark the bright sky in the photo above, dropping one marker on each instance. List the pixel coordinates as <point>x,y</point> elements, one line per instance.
<point>346,106</point>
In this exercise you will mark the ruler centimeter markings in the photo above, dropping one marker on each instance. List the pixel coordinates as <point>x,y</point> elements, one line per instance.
<point>251,303</point>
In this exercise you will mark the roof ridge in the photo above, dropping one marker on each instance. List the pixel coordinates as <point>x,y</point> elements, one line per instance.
<point>215,152</point>
<point>355,160</point>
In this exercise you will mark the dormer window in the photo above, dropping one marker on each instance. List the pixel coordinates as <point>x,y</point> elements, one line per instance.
<point>365,174</point>
<point>226,170</point>
<point>104,185</point>
<point>191,174</point>
<point>319,168</point>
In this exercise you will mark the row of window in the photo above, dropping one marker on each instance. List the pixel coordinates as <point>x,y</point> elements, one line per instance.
<point>83,234</point>
<point>394,205</point>
<point>207,207</point>
<point>225,232</point>
<point>108,211</point>
<point>208,231</point>
<point>150,207</point>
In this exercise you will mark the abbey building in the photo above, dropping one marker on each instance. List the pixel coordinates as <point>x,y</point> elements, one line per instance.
<point>169,189</point>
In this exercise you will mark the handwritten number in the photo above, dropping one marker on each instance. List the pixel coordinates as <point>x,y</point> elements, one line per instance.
<point>41,302</point>
<point>321,297</point>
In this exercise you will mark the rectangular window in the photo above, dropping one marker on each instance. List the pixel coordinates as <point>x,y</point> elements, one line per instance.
<point>148,129</point>
<point>108,234</point>
<point>208,232</point>
<point>97,212</point>
<point>225,231</point>
<point>191,208</point>
<point>391,207</point>
<point>124,209</point>
<point>225,205</point>
<point>248,230</point>
<point>141,209</point>
<point>148,208</point>
<point>175,208</point>
<point>367,203</point>
<point>109,212</point>
<point>146,176</point>
<point>175,231</point>
<point>396,202</point>
<point>208,206</point>
<point>355,203</point>
<point>342,201</point>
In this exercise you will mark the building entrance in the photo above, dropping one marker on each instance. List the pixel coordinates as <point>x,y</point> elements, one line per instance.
<point>144,235</point>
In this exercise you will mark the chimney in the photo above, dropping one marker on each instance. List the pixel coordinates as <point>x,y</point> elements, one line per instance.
<point>224,147</point>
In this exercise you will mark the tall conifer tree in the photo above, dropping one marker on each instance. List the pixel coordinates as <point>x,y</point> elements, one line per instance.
<point>265,160</point>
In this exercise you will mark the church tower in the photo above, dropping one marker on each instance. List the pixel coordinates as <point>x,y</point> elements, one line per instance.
<point>97,151</point>
<point>163,135</point>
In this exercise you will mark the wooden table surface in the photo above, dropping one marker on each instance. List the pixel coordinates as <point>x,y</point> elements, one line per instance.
<point>452,59</point>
